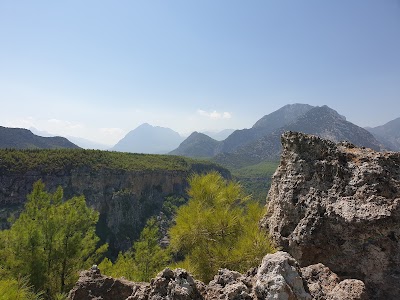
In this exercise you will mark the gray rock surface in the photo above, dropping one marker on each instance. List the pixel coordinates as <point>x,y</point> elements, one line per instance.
<point>278,277</point>
<point>339,205</point>
<point>324,284</point>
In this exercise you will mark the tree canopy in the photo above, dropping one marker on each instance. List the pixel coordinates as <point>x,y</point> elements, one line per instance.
<point>218,228</point>
<point>50,241</point>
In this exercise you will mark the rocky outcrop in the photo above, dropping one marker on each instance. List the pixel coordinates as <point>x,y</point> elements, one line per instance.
<point>323,284</point>
<point>278,277</point>
<point>339,205</point>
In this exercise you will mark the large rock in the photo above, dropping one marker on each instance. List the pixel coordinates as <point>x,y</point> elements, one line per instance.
<point>278,277</point>
<point>324,284</point>
<point>339,205</point>
<point>93,285</point>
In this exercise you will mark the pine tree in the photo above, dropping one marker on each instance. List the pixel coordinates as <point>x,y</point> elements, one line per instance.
<point>50,241</point>
<point>218,228</point>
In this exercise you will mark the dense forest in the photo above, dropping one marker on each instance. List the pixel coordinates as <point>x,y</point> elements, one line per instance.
<point>54,238</point>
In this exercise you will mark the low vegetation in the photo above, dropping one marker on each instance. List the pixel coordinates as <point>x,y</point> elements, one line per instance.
<point>256,179</point>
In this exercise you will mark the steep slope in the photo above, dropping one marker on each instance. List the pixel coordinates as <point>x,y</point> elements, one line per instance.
<point>388,134</point>
<point>321,121</point>
<point>20,138</point>
<point>266,125</point>
<point>125,188</point>
<point>149,139</point>
<point>197,145</point>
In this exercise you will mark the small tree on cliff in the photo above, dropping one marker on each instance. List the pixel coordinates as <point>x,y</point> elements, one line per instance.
<point>218,228</point>
<point>50,241</point>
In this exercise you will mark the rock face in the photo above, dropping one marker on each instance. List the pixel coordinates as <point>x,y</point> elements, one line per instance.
<point>125,198</point>
<point>339,205</point>
<point>278,277</point>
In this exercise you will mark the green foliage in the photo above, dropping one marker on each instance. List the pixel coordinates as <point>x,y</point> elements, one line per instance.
<point>51,240</point>
<point>218,228</point>
<point>143,261</point>
<point>256,179</point>
<point>48,161</point>
<point>149,257</point>
<point>17,289</point>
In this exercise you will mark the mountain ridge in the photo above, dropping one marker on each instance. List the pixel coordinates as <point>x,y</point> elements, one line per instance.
<point>321,121</point>
<point>21,138</point>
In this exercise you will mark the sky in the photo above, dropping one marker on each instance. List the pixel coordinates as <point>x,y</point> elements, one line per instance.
<point>98,69</point>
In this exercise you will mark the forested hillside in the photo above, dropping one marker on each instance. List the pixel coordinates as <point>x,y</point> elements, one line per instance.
<point>125,188</point>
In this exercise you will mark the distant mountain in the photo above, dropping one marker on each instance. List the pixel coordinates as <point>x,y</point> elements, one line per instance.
<point>262,127</point>
<point>20,138</point>
<point>41,132</point>
<point>321,121</point>
<point>81,142</point>
<point>220,135</point>
<point>388,134</point>
<point>283,116</point>
<point>266,125</point>
<point>149,139</point>
<point>88,144</point>
<point>197,145</point>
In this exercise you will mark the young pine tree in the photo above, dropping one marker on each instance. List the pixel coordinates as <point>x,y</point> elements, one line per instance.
<point>218,228</point>
<point>50,241</point>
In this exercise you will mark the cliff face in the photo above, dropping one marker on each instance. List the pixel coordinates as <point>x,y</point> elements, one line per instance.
<point>124,198</point>
<point>339,205</point>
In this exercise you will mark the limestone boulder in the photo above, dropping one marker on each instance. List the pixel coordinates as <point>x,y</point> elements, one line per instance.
<point>339,205</point>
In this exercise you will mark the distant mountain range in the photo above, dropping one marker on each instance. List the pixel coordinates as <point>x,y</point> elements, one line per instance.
<point>219,135</point>
<point>149,139</point>
<point>262,141</point>
<point>20,138</point>
<point>81,142</point>
<point>229,147</point>
<point>388,134</point>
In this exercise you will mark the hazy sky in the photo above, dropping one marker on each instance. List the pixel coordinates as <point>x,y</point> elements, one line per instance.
<point>98,69</point>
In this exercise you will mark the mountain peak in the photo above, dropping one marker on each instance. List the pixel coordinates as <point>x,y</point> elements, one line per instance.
<point>282,116</point>
<point>197,144</point>
<point>149,139</point>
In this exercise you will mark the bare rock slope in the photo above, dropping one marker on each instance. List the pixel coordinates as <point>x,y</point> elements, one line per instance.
<point>339,205</point>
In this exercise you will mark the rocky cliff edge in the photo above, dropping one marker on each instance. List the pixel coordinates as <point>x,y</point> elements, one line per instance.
<point>339,205</point>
